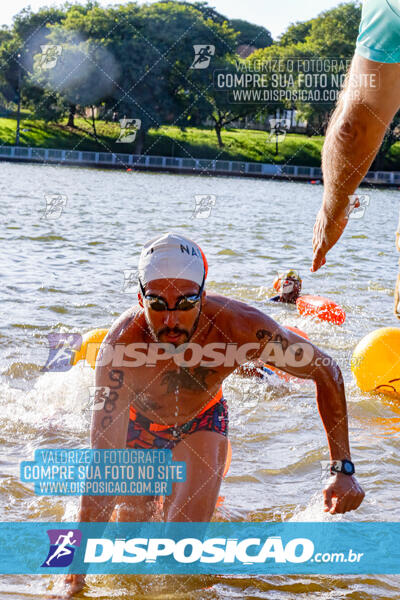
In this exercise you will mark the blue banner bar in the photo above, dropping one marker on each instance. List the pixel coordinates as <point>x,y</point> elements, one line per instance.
<point>193,548</point>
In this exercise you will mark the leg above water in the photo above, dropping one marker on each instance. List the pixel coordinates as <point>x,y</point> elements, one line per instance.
<point>204,453</point>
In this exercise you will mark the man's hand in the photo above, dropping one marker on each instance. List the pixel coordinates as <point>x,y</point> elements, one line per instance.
<point>68,586</point>
<point>342,494</point>
<point>327,231</point>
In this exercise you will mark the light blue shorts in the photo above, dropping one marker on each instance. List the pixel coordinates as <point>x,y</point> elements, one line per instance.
<point>379,32</point>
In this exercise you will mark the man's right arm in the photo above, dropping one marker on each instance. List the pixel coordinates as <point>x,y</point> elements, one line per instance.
<point>109,430</point>
<point>109,425</point>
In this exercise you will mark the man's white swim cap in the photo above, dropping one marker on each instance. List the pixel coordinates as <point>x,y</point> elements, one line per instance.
<point>172,256</point>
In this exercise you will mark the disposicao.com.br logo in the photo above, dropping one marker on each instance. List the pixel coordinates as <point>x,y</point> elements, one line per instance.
<point>190,550</point>
<point>247,551</point>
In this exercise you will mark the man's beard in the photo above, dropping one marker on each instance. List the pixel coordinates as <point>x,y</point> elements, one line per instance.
<point>175,330</point>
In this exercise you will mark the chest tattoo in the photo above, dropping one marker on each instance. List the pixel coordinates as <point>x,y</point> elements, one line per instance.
<point>186,379</point>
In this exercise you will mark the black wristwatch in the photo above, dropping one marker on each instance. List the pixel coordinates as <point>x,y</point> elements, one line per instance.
<point>342,466</point>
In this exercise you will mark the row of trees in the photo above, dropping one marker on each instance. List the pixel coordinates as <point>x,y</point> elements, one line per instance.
<point>137,61</point>
<point>131,60</point>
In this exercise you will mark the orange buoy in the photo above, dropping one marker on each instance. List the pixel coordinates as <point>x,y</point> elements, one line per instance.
<point>322,308</point>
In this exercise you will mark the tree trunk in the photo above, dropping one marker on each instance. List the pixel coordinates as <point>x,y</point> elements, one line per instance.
<point>71,115</point>
<point>380,159</point>
<point>309,128</point>
<point>94,123</point>
<point>218,128</point>
<point>325,123</point>
<point>139,142</point>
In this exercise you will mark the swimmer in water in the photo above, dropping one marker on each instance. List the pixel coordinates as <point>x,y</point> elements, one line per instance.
<point>288,284</point>
<point>172,397</point>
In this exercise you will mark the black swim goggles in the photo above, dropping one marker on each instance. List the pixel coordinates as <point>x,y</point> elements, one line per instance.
<point>158,304</point>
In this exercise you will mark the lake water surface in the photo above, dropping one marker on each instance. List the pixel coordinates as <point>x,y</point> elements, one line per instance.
<point>67,275</point>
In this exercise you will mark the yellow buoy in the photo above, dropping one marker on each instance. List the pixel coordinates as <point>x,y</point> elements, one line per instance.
<point>376,362</point>
<point>91,343</point>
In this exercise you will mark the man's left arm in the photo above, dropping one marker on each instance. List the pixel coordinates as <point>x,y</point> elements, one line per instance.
<point>293,354</point>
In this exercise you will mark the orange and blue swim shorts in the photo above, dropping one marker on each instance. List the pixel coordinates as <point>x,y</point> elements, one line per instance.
<point>144,434</point>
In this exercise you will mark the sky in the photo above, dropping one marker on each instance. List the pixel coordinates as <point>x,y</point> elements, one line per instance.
<point>275,15</point>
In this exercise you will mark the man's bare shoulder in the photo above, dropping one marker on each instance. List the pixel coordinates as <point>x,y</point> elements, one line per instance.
<point>230,311</point>
<point>129,327</point>
<point>228,306</point>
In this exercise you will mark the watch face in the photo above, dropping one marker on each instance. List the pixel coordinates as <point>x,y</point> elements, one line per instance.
<point>348,467</point>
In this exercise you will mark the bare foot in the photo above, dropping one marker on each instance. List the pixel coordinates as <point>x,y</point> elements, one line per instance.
<point>67,586</point>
